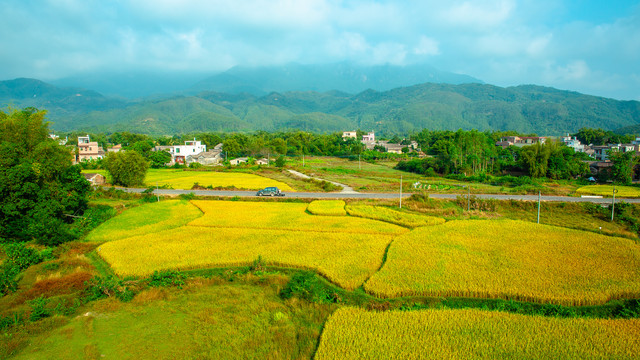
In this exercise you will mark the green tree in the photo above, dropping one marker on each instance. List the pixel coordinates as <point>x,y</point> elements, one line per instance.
<point>621,167</point>
<point>39,188</point>
<point>127,168</point>
<point>159,158</point>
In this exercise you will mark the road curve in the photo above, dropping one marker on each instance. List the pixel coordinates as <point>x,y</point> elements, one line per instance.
<point>337,195</point>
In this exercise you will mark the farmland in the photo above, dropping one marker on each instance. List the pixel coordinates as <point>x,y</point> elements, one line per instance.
<point>327,207</point>
<point>352,333</point>
<point>510,259</point>
<point>607,190</point>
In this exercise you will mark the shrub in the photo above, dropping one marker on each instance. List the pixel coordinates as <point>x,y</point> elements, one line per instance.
<point>22,256</point>
<point>167,278</point>
<point>306,285</point>
<point>39,309</point>
<point>8,282</point>
<point>100,287</point>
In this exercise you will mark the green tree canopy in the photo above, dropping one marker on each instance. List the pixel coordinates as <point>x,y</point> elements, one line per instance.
<point>39,187</point>
<point>127,168</point>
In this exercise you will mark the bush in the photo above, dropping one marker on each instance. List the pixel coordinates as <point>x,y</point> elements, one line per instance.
<point>306,285</point>
<point>22,256</point>
<point>8,274</point>
<point>100,287</point>
<point>39,309</point>
<point>167,278</point>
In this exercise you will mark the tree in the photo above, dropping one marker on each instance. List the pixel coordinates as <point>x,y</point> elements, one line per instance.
<point>281,161</point>
<point>127,168</point>
<point>621,167</point>
<point>159,159</point>
<point>39,187</point>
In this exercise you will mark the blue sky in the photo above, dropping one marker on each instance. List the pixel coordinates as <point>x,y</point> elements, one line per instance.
<point>587,46</point>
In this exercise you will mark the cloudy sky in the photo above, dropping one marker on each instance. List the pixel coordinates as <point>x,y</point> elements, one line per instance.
<point>588,46</point>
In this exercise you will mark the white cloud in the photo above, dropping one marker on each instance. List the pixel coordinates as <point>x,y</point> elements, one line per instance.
<point>426,46</point>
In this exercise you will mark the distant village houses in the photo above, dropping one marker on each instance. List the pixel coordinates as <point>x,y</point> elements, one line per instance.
<point>88,150</point>
<point>520,141</point>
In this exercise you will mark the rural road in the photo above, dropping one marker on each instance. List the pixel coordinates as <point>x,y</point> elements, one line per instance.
<point>339,195</point>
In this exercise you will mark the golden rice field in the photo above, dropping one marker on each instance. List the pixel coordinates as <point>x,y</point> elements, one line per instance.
<point>392,216</point>
<point>512,260</point>
<point>146,219</point>
<point>283,216</point>
<point>607,190</point>
<point>327,207</point>
<point>347,259</point>
<point>354,333</point>
<point>345,249</point>
<point>180,179</point>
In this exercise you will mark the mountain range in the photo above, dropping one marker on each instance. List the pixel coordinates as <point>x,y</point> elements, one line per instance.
<point>312,99</point>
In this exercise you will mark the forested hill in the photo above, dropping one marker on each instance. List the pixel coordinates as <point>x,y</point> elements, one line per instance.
<point>528,109</point>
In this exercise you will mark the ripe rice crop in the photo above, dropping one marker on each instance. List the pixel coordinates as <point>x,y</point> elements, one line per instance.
<point>392,216</point>
<point>179,179</point>
<point>607,190</point>
<point>347,259</point>
<point>327,207</point>
<point>353,333</point>
<point>512,260</point>
<point>283,216</point>
<point>145,219</point>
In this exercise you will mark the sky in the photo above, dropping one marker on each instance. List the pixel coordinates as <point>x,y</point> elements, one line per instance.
<point>588,46</point>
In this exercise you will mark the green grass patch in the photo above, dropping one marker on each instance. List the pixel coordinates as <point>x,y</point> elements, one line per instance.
<point>146,219</point>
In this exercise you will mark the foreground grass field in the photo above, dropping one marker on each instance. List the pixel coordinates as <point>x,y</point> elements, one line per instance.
<point>204,320</point>
<point>353,333</point>
<point>607,190</point>
<point>510,259</point>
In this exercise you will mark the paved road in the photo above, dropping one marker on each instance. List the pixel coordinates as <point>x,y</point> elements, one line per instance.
<point>313,195</point>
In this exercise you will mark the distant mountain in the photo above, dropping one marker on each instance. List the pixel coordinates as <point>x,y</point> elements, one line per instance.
<point>345,77</point>
<point>527,109</point>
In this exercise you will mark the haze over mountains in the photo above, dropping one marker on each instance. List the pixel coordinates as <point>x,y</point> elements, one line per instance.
<point>324,98</point>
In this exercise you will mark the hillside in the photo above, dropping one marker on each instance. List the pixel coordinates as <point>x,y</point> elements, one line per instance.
<point>527,108</point>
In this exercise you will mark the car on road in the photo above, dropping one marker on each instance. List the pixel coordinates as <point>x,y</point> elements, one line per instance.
<point>270,191</point>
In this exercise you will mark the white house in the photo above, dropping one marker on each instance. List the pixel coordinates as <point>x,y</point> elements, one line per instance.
<point>180,152</point>
<point>238,161</point>
<point>370,137</point>
<point>349,134</point>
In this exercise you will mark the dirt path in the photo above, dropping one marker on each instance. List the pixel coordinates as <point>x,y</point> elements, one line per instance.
<point>346,189</point>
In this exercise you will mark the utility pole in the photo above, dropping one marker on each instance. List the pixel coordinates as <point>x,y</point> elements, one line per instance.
<point>157,195</point>
<point>302,159</point>
<point>468,197</point>
<point>613,203</point>
<point>400,191</point>
<point>358,161</point>
<point>538,206</point>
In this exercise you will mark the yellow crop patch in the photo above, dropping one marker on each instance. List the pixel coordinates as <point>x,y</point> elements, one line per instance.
<point>347,259</point>
<point>179,179</point>
<point>392,216</point>
<point>510,259</point>
<point>353,333</point>
<point>327,207</point>
<point>283,216</point>
<point>607,190</point>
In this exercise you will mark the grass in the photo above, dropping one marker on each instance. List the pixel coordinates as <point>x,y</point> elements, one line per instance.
<point>510,260</point>
<point>607,190</point>
<point>146,219</point>
<point>327,207</point>
<point>207,319</point>
<point>392,216</point>
<point>352,333</point>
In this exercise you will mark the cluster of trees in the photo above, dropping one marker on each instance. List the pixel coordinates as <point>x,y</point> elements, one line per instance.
<point>473,152</point>
<point>40,191</point>
<point>602,137</point>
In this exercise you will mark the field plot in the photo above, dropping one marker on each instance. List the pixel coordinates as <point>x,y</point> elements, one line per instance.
<point>607,190</point>
<point>510,259</point>
<point>283,216</point>
<point>146,219</point>
<point>353,333</point>
<point>345,249</point>
<point>393,216</point>
<point>179,179</point>
<point>347,259</point>
<point>327,208</point>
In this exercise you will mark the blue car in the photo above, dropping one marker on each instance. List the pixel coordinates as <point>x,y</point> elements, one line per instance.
<point>270,191</point>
